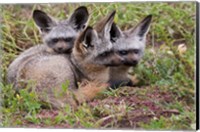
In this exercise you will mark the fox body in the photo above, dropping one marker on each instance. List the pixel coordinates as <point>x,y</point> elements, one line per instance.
<point>48,73</point>
<point>87,62</point>
<point>130,45</point>
<point>58,37</point>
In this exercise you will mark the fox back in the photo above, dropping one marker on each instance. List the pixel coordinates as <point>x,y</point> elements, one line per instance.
<point>47,75</point>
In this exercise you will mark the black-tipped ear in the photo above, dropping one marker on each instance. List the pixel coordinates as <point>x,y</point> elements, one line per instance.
<point>144,25</point>
<point>79,18</point>
<point>88,37</point>
<point>42,20</point>
<point>109,22</point>
<point>115,32</point>
<point>142,28</point>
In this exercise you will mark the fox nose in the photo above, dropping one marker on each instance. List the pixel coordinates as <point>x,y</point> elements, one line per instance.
<point>60,49</point>
<point>134,62</point>
<point>122,60</point>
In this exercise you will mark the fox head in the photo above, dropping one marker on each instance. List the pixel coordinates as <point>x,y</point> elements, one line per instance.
<point>130,44</point>
<point>60,35</point>
<point>94,46</point>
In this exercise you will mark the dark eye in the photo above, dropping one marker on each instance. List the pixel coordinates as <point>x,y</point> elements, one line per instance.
<point>123,52</point>
<point>104,54</point>
<point>68,39</point>
<point>136,51</point>
<point>55,40</point>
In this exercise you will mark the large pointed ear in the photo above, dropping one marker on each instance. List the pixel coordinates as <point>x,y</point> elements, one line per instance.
<point>87,37</point>
<point>104,26</point>
<point>79,18</point>
<point>109,22</point>
<point>142,28</point>
<point>115,32</point>
<point>42,20</point>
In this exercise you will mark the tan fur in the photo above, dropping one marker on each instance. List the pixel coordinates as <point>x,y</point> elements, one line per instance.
<point>118,73</point>
<point>96,72</point>
<point>49,72</point>
<point>88,91</point>
<point>23,57</point>
<point>99,26</point>
<point>92,71</point>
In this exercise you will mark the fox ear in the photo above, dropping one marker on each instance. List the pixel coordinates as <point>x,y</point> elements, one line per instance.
<point>115,32</point>
<point>42,20</point>
<point>142,28</point>
<point>109,22</point>
<point>103,27</point>
<point>89,37</point>
<point>79,18</point>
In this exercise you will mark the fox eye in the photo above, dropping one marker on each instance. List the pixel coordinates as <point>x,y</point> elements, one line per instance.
<point>68,39</point>
<point>55,40</point>
<point>136,51</point>
<point>123,52</point>
<point>104,54</point>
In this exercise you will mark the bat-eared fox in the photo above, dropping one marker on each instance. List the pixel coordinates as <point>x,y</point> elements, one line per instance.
<point>130,45</point>
<point>58,37</point>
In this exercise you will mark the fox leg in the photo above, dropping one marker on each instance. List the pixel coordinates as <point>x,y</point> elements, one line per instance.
<point>89,91</point>
<point>120,83</point>
<point>73,97</point>
<point>130,81</point>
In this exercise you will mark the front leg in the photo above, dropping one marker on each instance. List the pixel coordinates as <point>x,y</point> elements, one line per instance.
<point>114,84</point>
<point>130,81</point>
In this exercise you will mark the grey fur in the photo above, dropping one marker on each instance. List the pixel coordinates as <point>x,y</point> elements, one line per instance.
<point>51,30</point>
<point>60,34</point>
<point>130,45</point>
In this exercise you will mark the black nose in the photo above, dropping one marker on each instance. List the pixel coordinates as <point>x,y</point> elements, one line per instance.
<point>123,61</point>
<point>60,49</point>
<point>134,63</point>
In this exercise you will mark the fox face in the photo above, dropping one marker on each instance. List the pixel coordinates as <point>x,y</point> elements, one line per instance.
<point>94,45</point>
<point>60,35</point>
<point>130,44</point>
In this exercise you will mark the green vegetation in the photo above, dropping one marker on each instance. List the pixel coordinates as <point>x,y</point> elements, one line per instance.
<point>164,96</point>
